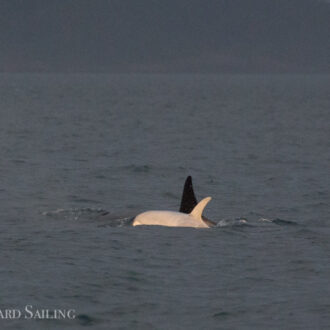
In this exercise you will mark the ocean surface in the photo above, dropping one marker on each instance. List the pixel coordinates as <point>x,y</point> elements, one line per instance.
<point>82,154</point>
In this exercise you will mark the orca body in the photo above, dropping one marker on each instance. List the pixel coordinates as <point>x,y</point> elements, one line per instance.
<point>174,219</point>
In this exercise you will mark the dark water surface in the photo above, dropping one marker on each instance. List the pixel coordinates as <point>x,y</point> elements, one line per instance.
<point>74,147</point>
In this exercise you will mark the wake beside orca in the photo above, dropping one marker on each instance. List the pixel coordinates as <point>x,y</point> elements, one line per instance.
<point>190,214</point>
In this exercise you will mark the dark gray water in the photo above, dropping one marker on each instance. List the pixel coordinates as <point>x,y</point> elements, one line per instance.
<point>74,147</point>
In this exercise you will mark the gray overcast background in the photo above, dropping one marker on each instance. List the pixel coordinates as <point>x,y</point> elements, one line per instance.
<point>165,35</point>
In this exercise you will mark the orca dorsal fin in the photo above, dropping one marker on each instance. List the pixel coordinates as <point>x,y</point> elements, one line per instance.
<point>199,208</point>
<point>188,199</point>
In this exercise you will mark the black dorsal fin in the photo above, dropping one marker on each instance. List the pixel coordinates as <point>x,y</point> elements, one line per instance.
<point>188,199</point>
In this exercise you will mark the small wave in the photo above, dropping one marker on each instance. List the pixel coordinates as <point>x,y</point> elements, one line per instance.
<point>75,213</point>
<point>238,222</point>
<point>279,221</point>
<point>115,221</point>
<point>138,168</point>
<point>103,217</point>
<point>86,320</point>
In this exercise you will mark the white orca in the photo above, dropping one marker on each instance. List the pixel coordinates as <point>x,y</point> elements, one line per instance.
<point>174,219</point>
<point>190,214</point>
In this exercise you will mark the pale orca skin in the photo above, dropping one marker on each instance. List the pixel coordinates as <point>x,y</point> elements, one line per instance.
<point>174,219</point>
<point>189,201</point>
